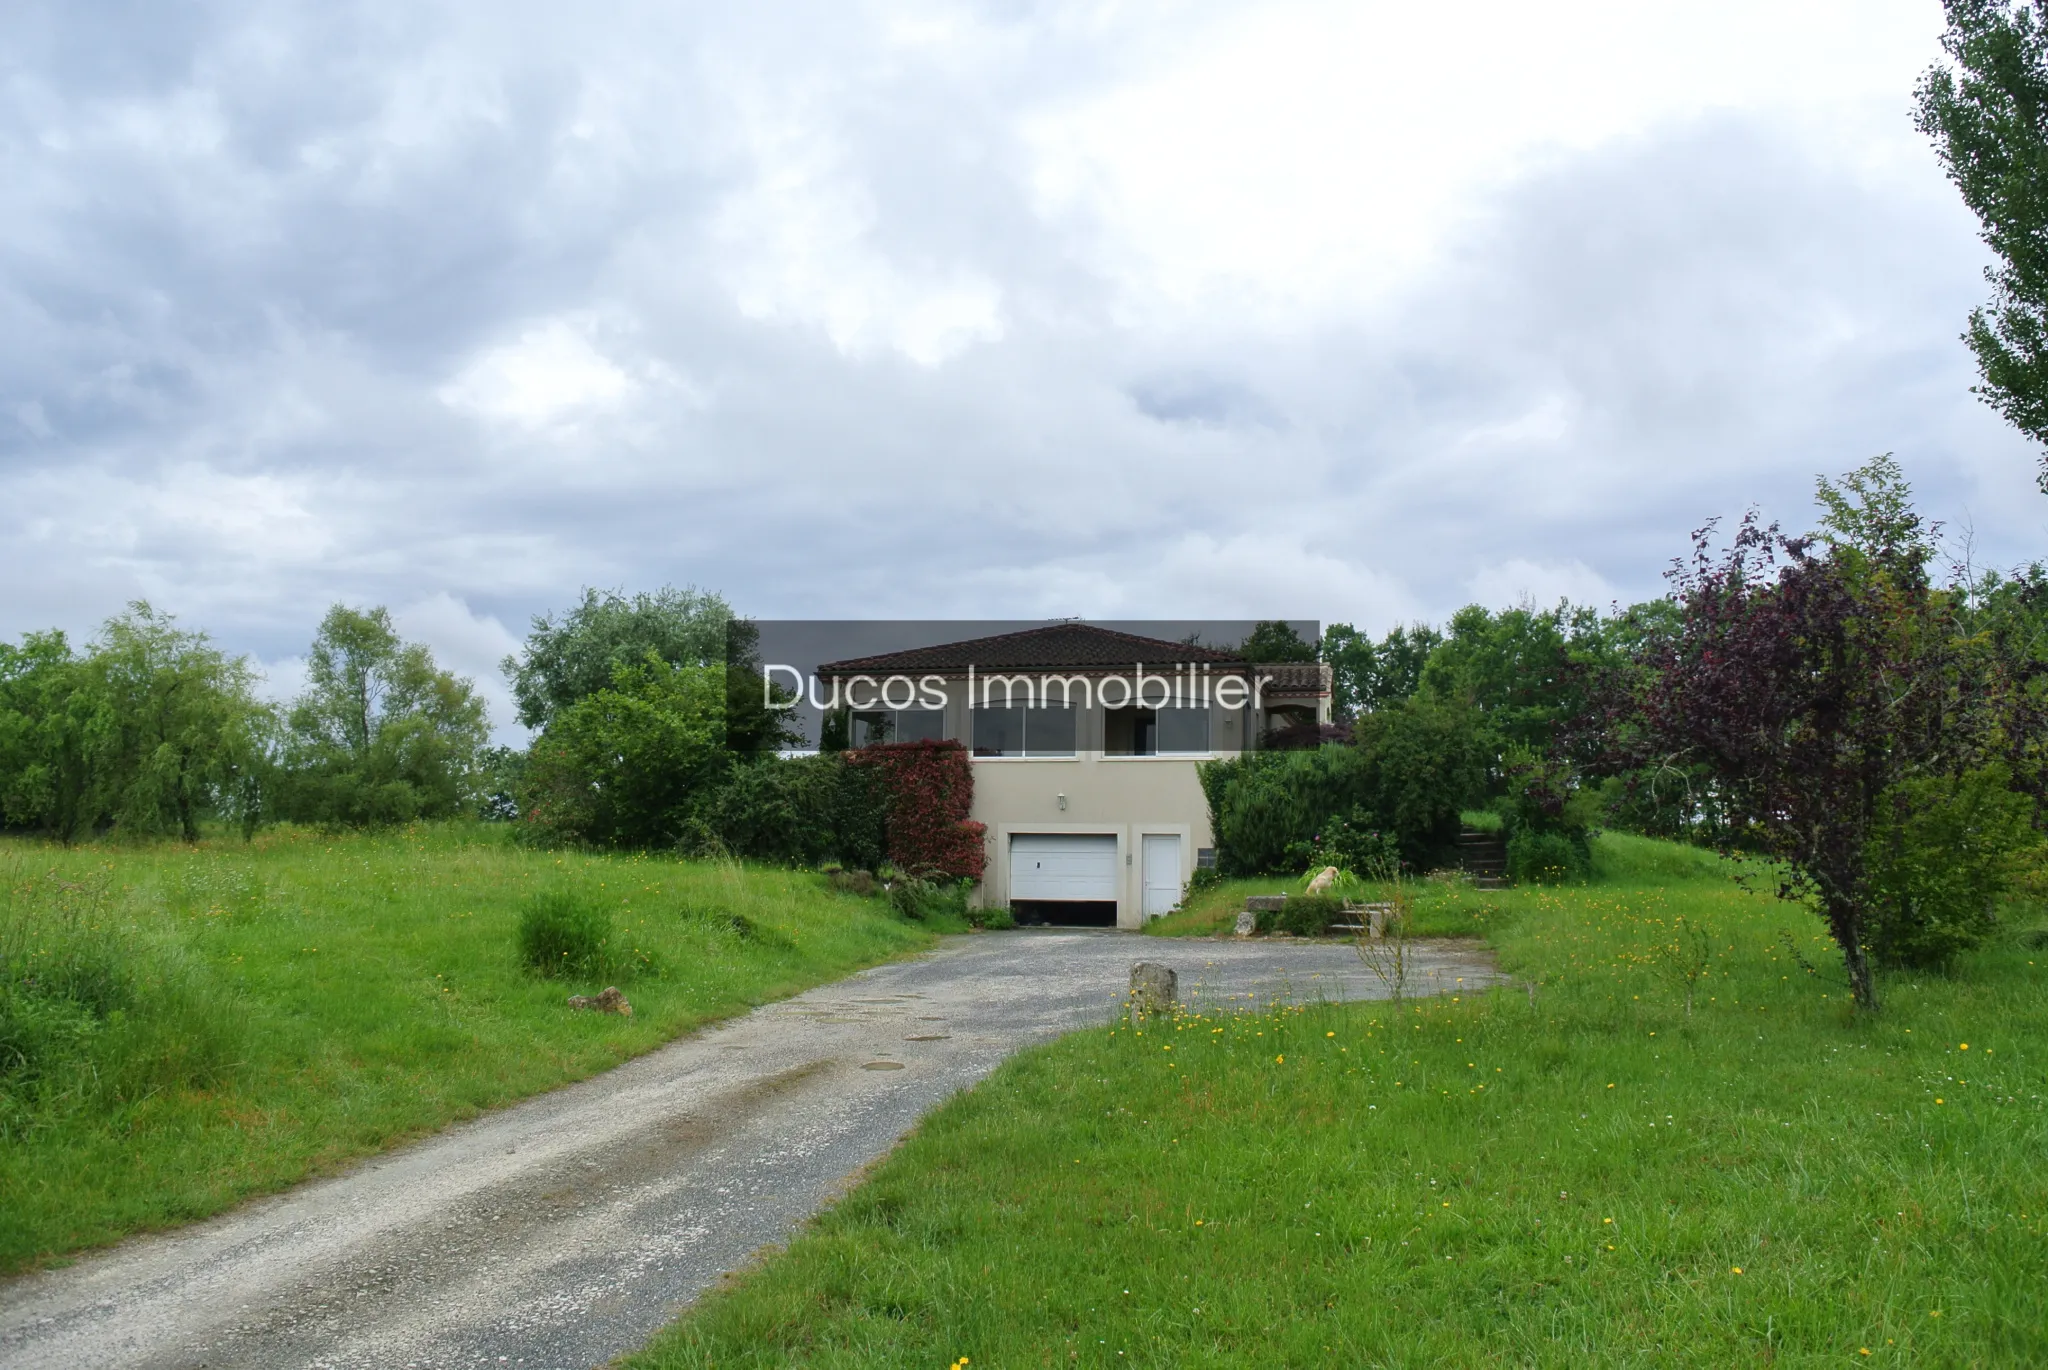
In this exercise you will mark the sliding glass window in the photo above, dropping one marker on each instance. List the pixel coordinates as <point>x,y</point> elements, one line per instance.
<point>1042,731</point>
<point>1156,732</point>
<point>898,725</point>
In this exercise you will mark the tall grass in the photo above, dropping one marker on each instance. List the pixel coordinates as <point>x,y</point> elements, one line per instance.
<point>181,1028</point>
<point>1569,1170</point>
<point>96,1013</point>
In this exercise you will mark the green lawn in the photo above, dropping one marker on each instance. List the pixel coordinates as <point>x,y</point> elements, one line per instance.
<point>1566,1171</point>
<point>271,1011</point>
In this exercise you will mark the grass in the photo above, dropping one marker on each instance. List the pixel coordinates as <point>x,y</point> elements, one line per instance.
<point>182,1028</point>
<point>1570,1170</point>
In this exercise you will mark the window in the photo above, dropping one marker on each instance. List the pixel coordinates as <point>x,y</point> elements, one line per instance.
<point>898,725</point>
<point>1183,732</point>
<point>1156,732</point>
<point>1016,731</point>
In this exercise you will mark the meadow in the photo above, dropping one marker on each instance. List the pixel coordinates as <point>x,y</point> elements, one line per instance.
<point>1573,1169</point>
<point>184,1027</point>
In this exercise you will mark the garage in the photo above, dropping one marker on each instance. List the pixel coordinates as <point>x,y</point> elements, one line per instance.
<point>1068,878</point>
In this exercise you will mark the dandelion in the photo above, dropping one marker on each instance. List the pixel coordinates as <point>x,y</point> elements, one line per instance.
<point>1735,1270</point>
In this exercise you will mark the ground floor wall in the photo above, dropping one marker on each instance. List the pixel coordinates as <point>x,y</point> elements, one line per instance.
<point>1124,798</point>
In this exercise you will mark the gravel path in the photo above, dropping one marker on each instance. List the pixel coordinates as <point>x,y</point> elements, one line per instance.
<point>564,1231</point>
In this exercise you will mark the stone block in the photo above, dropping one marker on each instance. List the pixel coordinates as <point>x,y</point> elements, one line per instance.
<point>1153,987</point>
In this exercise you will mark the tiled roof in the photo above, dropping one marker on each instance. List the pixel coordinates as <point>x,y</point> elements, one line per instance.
<point>1055,647</point>
<point>1296,678</point>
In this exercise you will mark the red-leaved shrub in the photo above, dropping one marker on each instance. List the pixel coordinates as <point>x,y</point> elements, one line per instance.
<point>931,792</point>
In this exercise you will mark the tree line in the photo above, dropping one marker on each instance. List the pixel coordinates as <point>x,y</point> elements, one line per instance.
<point>151,729</point>
<point>1838,701</point>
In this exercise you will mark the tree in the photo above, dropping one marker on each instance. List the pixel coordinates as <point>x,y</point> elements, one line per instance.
<point>178,729</point>
<point>573,656</point>
<point>1987,113</point>
<point>1526,670</point>
<point>1366,676</point>
<point>636,764</point>
<point>381,734</point>
<point>46,715</point>
<point>1821,681</point>
<point>1275,640</point>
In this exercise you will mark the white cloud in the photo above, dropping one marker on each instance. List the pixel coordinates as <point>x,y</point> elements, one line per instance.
<point>469,644</point>
<point>1542,584</point>
<point>551,372</point>
<point>1174,307</point>
<point>1307,158</point>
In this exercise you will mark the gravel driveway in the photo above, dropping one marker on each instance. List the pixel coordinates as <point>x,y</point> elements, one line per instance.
<point>567,1229</point>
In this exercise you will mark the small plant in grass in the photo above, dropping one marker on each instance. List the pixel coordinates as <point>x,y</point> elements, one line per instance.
<point>561,934</point>
<point>1388,956</point>
<point>1687,958</point>
<point>1544,858</point>
<point>929,895</point>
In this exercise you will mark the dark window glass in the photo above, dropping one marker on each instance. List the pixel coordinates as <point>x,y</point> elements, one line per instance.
<point>1183,730</point>
<point>1049,732</point>
<point>998,732</point>
<point>920,725</point>
<point>871,726</point>
<point>1131,732</point>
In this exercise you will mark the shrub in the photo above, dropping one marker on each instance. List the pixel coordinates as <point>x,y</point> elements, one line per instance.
<point>930,788</point>
<point>635,765</point>
<point>919,898</point>
<point>1407,774</point>
<point>561,934</point>
<point>855,882</point>
<point>1354,845</point>
<point>1304,915</point>
<point>802,811</point>
<point>1544,858</point>
<point>1942,854</point>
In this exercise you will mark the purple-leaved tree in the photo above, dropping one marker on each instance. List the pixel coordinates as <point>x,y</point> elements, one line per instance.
<point>1812,678</point>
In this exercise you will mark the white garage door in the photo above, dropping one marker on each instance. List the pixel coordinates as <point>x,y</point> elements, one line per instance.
<point>1062,866</point>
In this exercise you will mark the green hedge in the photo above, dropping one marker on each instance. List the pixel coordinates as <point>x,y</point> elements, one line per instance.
<point>1408,772</point>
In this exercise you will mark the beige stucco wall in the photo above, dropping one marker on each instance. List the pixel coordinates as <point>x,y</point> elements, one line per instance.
<point>1125,797</point>
<point>1090,792</point>
<point>1121,796</point>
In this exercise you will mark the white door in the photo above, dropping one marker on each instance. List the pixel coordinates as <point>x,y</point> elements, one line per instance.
<point>1048,865</point>
<point>1162,873</point>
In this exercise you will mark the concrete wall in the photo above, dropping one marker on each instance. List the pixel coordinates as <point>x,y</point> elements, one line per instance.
<point>1122,796</point>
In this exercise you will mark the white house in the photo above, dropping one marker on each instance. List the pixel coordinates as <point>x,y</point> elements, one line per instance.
<point>1085,743</point>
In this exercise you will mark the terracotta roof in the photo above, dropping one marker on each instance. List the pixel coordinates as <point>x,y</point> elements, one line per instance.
<point>1296,678</point>
<point>1055,647</point>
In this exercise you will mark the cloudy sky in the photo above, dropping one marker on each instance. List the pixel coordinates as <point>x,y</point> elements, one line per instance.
<point>1344,310</point>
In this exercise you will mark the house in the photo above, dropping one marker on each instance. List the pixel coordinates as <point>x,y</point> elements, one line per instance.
<point>1085,743</point>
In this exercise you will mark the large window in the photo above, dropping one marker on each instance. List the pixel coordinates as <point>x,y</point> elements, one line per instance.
<point>1047,730</point>
<point>898,725</point>
<point>1156,732</point>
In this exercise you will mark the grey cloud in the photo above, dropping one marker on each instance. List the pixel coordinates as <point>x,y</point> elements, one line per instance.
<point>238,339</point>
<point>1205,400</point>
